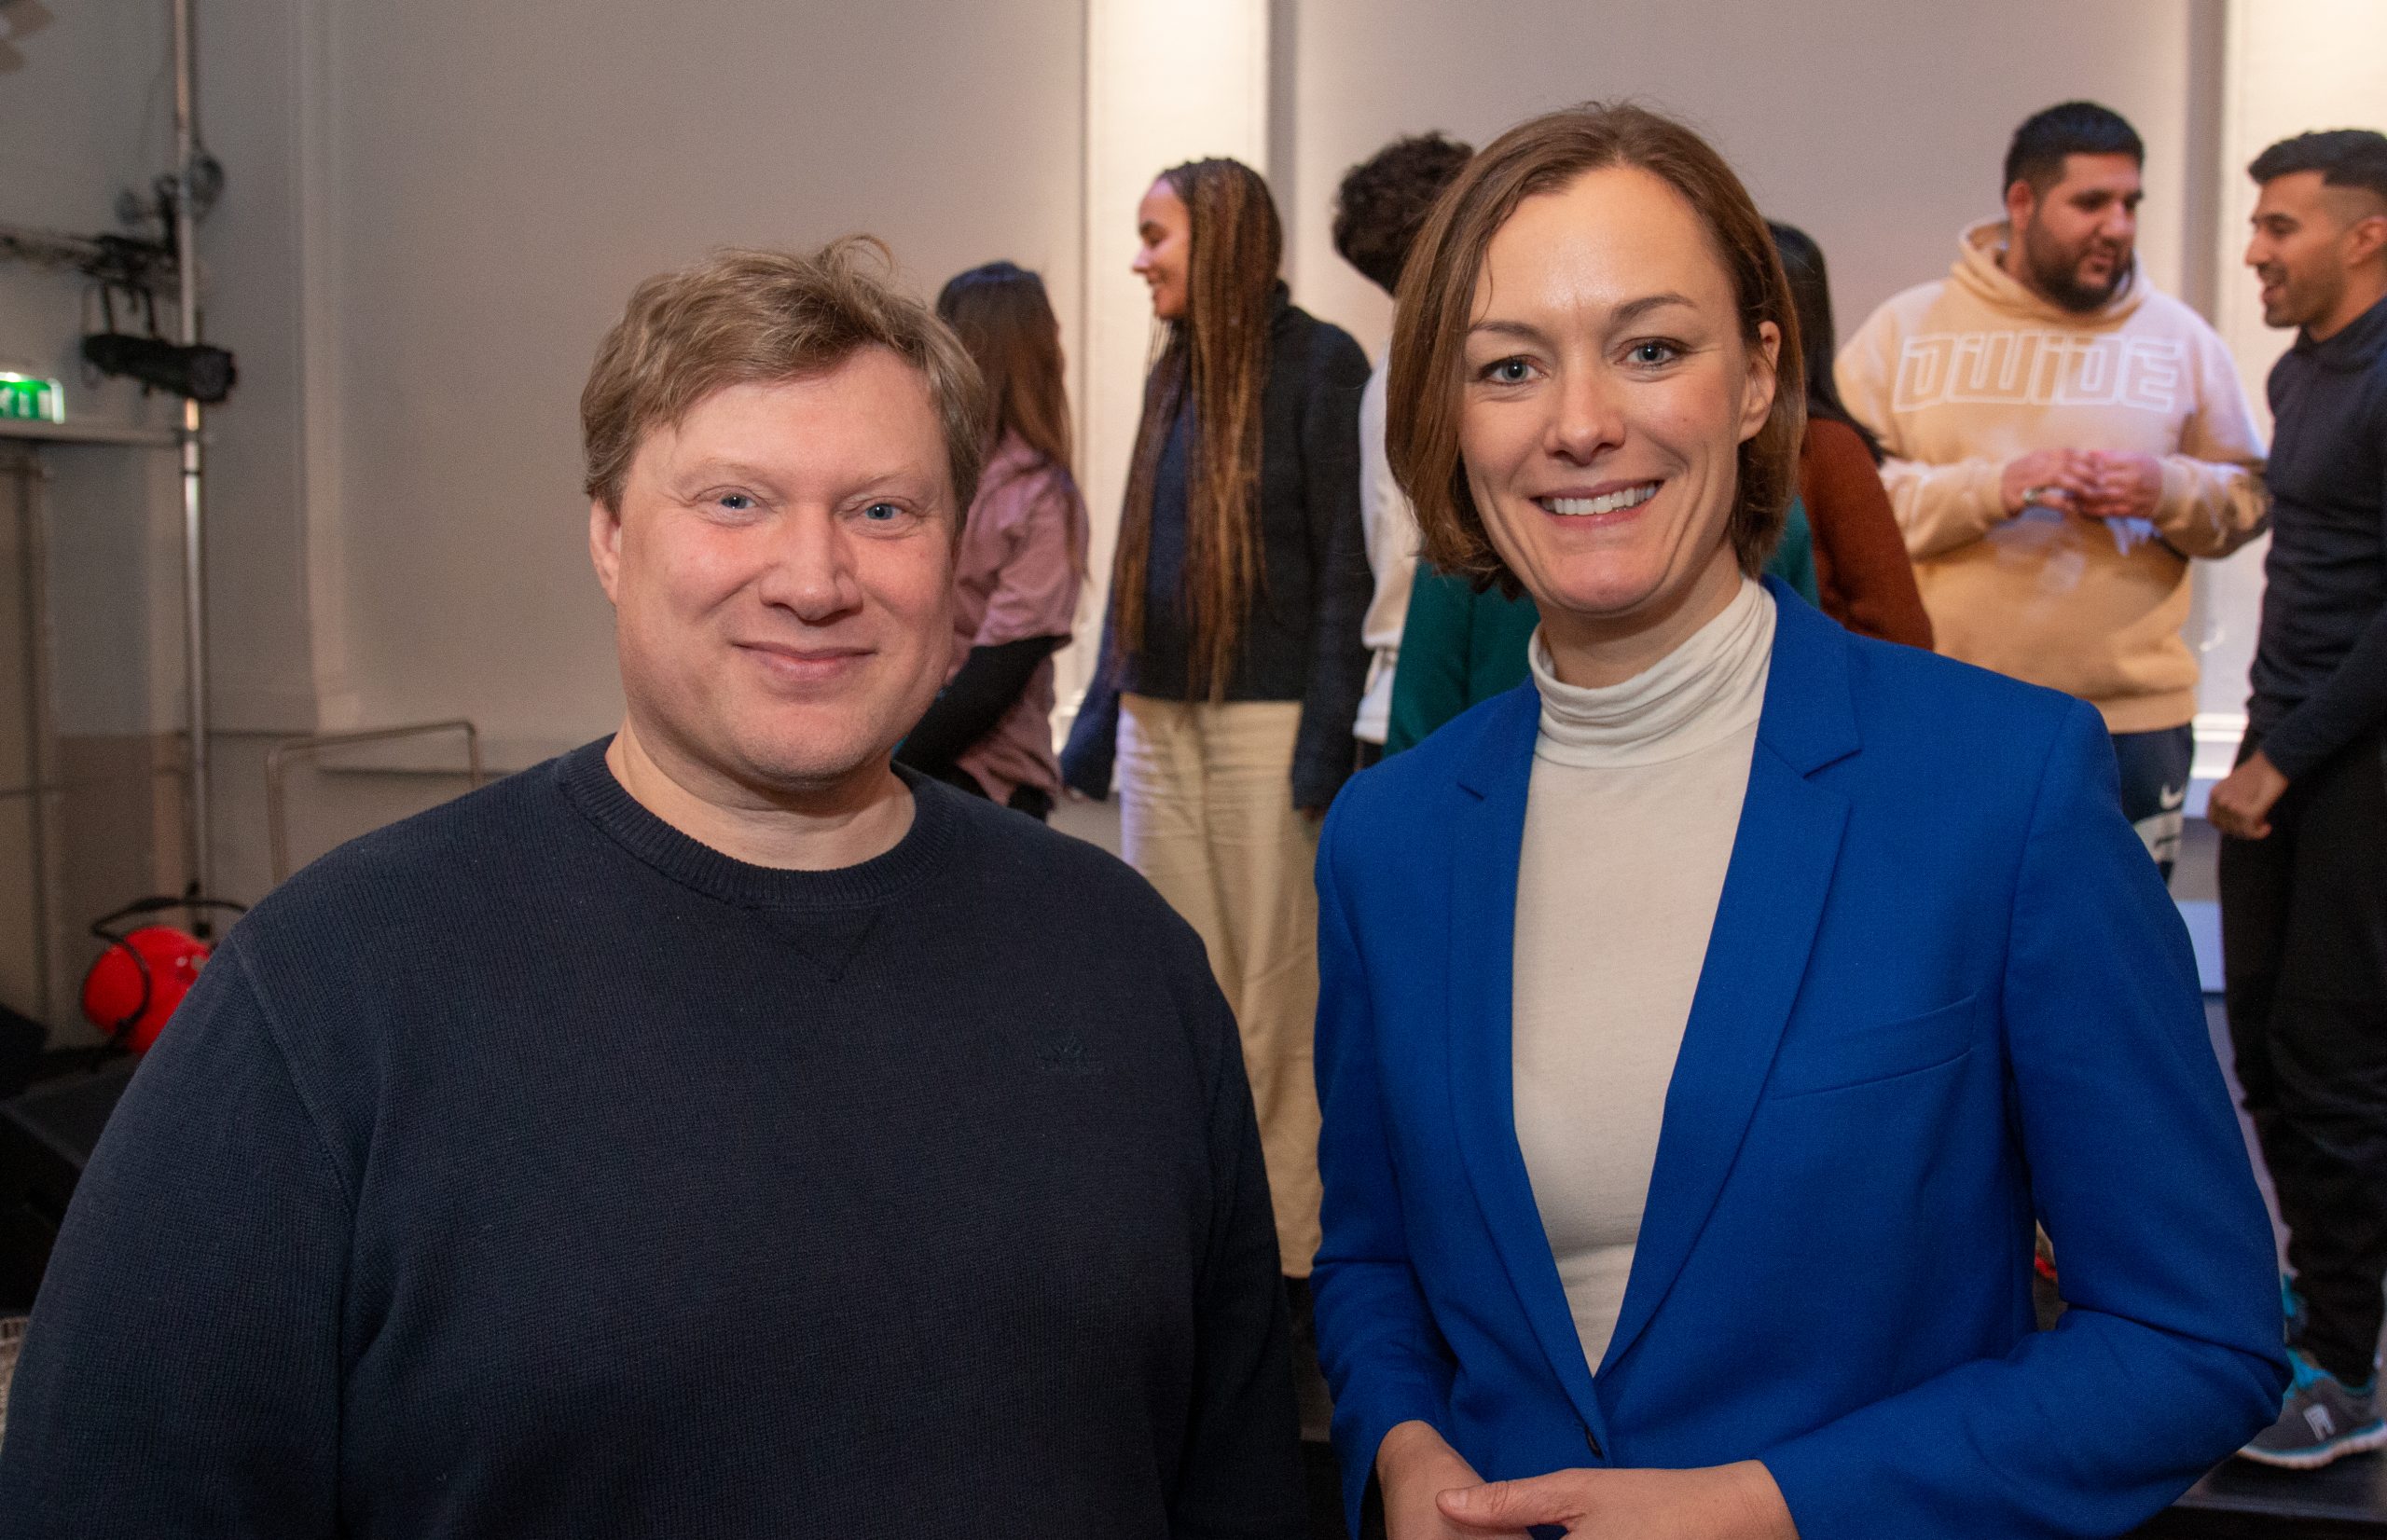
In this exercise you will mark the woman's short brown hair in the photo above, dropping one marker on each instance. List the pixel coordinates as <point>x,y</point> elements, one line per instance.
<point>747,317</point>
<point>1437,300</point>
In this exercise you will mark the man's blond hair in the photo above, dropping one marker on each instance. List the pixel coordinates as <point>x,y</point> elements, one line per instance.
<point>747,317</point>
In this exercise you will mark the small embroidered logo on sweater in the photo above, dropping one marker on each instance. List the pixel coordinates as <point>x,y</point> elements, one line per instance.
<point>1065,1053</point>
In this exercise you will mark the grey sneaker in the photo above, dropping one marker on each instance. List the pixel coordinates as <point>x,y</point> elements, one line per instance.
<point>2320,1420</point>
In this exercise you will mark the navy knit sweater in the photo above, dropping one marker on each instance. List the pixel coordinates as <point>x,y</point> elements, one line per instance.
<point>530,1169</point>
<point>2320,673</point>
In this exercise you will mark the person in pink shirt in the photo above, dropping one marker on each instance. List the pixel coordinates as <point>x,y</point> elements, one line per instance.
<point>1023,554</point>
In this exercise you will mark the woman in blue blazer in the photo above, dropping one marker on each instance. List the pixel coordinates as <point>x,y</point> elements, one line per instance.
<point>1705,1025</point>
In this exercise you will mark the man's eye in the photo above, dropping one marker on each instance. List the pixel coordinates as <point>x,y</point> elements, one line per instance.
<point>737,503</point>
<point>882,512</point>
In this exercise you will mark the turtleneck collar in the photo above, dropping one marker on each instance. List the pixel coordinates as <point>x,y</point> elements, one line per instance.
<point>1696,696</point>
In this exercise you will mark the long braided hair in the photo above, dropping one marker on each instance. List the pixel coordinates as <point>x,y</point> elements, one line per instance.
<point>1217,357</point>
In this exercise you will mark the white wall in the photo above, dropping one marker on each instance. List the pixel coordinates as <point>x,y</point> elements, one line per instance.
<point>2291,66</point>
<point>435,210</point>
<point>253,77</point>
<point>499,177</point>
<point>1877,127</point>
<point>466,193</point>
<point>1167,81</point>
<point>85,113</point>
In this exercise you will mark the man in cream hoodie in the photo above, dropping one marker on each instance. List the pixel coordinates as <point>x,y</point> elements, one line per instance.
<point>2063,440</point>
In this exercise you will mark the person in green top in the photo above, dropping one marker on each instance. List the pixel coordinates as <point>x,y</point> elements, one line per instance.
<point>1458,647</point>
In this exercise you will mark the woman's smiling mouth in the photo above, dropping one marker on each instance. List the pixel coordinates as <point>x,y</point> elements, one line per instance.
<point>1606,502</point>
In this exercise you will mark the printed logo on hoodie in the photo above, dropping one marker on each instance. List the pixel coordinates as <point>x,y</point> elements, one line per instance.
<point>2042,368</point>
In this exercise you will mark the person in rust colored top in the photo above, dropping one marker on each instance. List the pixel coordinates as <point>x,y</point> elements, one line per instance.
<point>1863,576</point>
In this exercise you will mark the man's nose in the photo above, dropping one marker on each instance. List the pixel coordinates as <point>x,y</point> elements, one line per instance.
<point>811,570</point>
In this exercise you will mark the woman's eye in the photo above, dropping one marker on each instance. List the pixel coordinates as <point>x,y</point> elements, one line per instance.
<point>1509,371</point>
<point>1653,352</point>
<point>737,503</point>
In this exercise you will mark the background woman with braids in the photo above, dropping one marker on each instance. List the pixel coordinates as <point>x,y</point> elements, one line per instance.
<point>1231,660</point>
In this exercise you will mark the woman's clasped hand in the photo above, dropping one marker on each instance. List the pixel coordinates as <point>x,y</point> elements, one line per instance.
<point>1430,1493</point>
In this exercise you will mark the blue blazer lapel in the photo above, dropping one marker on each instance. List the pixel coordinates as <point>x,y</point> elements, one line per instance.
<point>1775,887</point>
<point>1485,841</point>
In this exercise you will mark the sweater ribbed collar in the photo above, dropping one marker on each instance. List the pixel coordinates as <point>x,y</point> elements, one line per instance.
<point>587,783</point>
<point>2353,346</point>
<point>1696,696</point>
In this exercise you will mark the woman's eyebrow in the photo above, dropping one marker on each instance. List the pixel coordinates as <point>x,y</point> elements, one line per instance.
<point>1623,315</point>
<point>1634,309</point>
<point>1523,331</point>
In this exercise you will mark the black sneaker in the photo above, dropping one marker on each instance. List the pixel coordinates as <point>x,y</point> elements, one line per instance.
<point>2321,1420</point>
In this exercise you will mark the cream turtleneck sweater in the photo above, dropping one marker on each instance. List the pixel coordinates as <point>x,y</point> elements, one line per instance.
<point>1629,825</point>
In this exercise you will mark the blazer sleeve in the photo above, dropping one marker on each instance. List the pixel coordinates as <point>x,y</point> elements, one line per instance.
<point>2170,1354</point>
<point>1324,751</point>
<point>1384,1357</point>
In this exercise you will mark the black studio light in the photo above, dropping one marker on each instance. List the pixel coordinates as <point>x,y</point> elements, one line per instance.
<point>195,371</point>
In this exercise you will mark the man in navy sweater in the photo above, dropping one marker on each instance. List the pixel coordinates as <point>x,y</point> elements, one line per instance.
<point>711,1130</point>
<point>2304,863</point>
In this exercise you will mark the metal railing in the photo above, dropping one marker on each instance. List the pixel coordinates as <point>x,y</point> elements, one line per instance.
<point>278,758</point>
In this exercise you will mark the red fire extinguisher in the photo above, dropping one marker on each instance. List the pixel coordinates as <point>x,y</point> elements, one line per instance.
<point>144,972</point>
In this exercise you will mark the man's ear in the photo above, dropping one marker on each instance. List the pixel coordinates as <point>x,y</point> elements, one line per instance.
<point>2021,203</point>
<point>605,546</point>
<point>2366,238</point>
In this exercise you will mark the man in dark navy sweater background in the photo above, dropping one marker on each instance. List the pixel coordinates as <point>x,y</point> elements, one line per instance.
<point>2304,862</point>
<point>711,1130</point>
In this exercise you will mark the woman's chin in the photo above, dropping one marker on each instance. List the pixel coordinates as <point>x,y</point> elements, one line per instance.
<point>1603,598</point>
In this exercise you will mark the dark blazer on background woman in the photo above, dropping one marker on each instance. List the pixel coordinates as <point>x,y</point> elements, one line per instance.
<point>1301,641</point>
<point>1945,995</point>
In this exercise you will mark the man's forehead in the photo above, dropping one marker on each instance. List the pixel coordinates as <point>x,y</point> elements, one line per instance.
<point>2099,173</point>
<point>2296,192</point>
<point>863,412</point>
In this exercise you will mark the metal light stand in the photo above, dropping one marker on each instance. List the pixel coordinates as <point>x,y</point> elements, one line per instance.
<point>201,854</point>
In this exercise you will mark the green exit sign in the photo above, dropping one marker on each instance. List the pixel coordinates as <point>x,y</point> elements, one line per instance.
<point>30,397</point>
